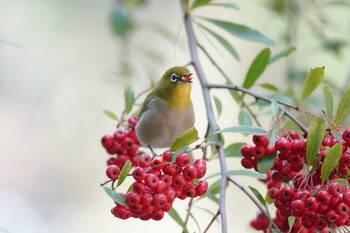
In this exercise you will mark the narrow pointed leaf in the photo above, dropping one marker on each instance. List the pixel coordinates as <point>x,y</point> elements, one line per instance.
<point>241,31</point>
<point>229,48</point>
<point>186,139</point>
<point>226,5</point>
<point>174,215</point>
<point>259,197</point>
<point>314,139</point>
<point>266,163</point>
<point>233,150</point>
<point>342,181</point>
<point>343,108</point>
<point>284,53</point>
<point>115,196</point>
<point>257,68</point>
<point>129,98</point>
<point>270,87</point>
<point>331,161</point>
<point>328,101</point>
<point>125,171</point>
<point>200,3</point>
<point>244,129</point>
<point>110,114</point>
<point>244,118</point>
<point>275,108</point>
<point>312,81</point>
<point>218,105</point>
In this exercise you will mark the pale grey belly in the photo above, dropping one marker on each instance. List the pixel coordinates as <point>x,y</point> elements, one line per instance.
<point>159,126</point>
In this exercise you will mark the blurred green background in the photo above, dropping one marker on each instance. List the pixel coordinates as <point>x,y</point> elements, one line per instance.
<point>62,63</point>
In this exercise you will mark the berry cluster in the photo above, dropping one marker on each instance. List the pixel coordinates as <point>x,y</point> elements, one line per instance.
<point>123,145</point>
<point>158,182</point>
<point>299,191</point>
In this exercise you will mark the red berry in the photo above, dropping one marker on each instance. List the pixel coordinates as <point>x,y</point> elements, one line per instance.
<point>167,179</point>
<point>170,194</point>
<point>342,209</point>
<point>139,174</point>
<point>159,200</point>
<point>169,169</point>
<point>151,180</point>
<point>132,121</point>
<point>182,159</point>
<point>190,192</point>
<point>346,135</point>
<point>258,152</point>
<point>113,172</point>
<point>283,145</point>
<point>201,169</point>
<point>119,135</point>
<point>161,186</point>
<point>260,140</point>
<point>157,163</point>
<point>274,193</point>
<point>287,193</point>
<point>331,216</point>
<point>157,214</point>
<point>323,197</point>
<point>247,151</point>
<point>132,198</point>
<point>311,203</point>
<point>145,160</point>
<point>178,181</point>
<point>346,196</point>
<point>146,198</point>
<point>335,188</point>
<point>201,187</point>
<point>270,150</point>
<point>190,172</point>
<point>298,207</point>
<point>167,156</point>
<point>139,187</point>
<point>247,163</point>
<point>107,141</point>
<point>127,142</point>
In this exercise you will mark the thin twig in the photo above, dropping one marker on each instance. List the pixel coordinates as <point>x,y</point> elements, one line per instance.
<point>253,199</point>
<point>266,99</point>
<point>188,212</point>
<point>212,221</point>
<point>192,44</point>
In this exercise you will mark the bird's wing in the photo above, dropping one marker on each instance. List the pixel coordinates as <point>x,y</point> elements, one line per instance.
<point>145,104</point>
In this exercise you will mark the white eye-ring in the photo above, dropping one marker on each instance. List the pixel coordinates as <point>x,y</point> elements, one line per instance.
<point>174,78</point>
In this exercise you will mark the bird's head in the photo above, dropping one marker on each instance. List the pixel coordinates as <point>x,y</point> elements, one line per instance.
<point>175,86</point>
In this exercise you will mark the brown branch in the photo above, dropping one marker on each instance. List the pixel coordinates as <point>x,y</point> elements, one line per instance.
<point>212,221</point>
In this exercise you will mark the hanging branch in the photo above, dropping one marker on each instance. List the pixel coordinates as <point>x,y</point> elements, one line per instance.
<point>192,44</point>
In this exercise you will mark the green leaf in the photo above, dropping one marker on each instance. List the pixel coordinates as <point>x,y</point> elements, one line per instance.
<point>233,150</point>
<point>275,108</point>
<point>120,20</point>
<point>241,31</point>
<point>312,81</point>
<point>314,139</point>
<point>244,118</point>
<point>110,114</point>
<point>331,160</point>
<point>257,68</point>
<point>174,215</point>
<point>270,87</point>
<point>115,196</point>
<point>187,138</point>
<point>291,221</point>
<point>266,163</point>
<point>226,5</point>
<point>218,105</point>
<point>245,129</point>
<point>328,101</point>
<point>125,171</point>
<point>259,197</point>
<point>275,230</point>
<point>129,98</point>
<point>342,181</point>
<point>200,3</point>
<point>239,172</point>
<point>283,53</point>
<point>343,108</point>
<point>229,48</point>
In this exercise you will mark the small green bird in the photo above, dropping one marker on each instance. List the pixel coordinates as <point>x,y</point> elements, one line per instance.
<point>167,111</point>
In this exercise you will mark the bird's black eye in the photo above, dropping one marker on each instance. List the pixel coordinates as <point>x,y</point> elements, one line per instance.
<point>174,78</point>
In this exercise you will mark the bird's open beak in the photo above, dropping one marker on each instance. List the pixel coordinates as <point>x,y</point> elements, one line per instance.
<point>186,78</point>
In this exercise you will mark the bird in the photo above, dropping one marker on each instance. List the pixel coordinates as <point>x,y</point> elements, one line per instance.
<point>167,111</point>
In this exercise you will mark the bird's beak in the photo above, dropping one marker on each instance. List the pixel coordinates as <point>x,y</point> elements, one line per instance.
<point>186,78</point>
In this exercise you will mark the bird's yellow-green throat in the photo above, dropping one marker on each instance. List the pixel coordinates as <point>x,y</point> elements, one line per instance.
<point>180,96</point>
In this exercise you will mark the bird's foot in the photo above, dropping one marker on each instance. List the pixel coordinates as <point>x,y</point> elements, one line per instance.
<point>154,154</point>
